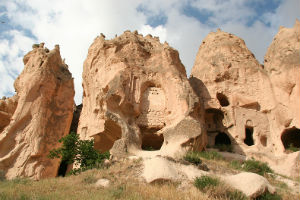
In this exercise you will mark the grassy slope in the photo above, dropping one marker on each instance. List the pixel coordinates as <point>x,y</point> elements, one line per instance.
<point>125,184</point>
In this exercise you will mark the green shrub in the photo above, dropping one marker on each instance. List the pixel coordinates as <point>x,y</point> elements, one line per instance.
<point>269,196</point>
<point>204,182</point>
<point>210,155</point>
<point>256,167</point>
<point>235,195</point>
<point>2,175</point>
<point>236,164</point>
<point>193,157</point>
<point>78,151</point>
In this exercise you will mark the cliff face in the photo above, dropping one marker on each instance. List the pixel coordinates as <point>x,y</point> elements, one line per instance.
<point>253,107</point>
<point>137,97</point>
<point>41,117</point>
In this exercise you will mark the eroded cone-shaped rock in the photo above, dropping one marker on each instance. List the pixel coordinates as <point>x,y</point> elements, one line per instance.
<point>43,115</point>
<point>135,93</point>
<point>241,106</point>
<point>282,61</point>
<point>236,92</point>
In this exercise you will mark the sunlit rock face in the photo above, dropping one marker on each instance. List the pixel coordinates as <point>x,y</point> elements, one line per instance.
<point>40,114</point>
<point>249,105</point>
<point>137,97</point>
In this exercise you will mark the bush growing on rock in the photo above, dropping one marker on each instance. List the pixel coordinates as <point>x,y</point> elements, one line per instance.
<point>78,151</point>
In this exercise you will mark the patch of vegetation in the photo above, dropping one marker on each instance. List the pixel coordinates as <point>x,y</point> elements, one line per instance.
<point>252,165</point>
<point>204,182</point>
<point>2,175</point>
<point>224,147</point>
<point>269,196</point>
<point>78,151</point>
<point>210,155</point>
<point>193,157</point>
<point>149,149</point>
<point>90,179</point>
<point>292,148</point>
<point>235,195</point>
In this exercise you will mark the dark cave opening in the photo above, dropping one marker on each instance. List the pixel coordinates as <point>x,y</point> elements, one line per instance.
<point>249,136</point>
<point>63,167</point>
<point>222,138</point>
<point>151,140</point>
<point>223,100</point>
<point>291,138</point>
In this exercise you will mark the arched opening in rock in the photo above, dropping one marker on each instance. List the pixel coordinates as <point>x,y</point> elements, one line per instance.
<point>222,139</point>
<point>151,140</point>
<point>223,100</point>
<point>263,140</point>
<point>106,139</point>
<point>291,139</point>
<point>249,136</point>
<point>152,117</point>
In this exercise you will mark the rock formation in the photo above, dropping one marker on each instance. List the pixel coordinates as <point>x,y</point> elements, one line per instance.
<point>137,97</point>
<point>41,116</point>
<point>246,104</point>
<point>7,109</point>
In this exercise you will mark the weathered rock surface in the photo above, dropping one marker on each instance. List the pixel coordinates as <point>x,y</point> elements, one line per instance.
<point>135,94</point>
<point>159,169</point>
<point>7,109</point>
<point>42,116</point>
<point>253,107</point>
<point>252,185</point>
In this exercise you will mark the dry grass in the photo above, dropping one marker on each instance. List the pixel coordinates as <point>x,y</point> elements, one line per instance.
<point>125,184</point>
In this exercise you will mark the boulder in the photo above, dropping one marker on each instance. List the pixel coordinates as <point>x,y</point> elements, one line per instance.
<point>159,169</point>
<point>42,116</point>
<point>102,183</point>
<point>135,93</point>
<point>251,184</point>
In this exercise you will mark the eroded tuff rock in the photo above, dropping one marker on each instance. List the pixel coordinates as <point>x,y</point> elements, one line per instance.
<point>249,105</point>
<point>136,96</point>
<point>7,109</point>
<point>42,116</point>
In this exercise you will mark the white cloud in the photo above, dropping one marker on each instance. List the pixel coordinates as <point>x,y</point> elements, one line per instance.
<point>11,58</point>
<point>74,25</point>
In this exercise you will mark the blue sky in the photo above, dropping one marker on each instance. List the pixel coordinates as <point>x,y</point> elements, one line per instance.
<point>182,23</point>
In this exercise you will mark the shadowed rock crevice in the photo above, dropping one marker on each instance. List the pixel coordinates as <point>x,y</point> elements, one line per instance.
<point>249,136</point>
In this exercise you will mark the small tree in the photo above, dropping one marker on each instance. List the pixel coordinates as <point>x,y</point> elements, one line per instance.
<point>74,150</point>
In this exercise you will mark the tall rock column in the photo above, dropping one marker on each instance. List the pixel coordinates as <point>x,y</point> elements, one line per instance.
<point>282,62</point>
<point>43,115</point>
<point>137,97</point>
